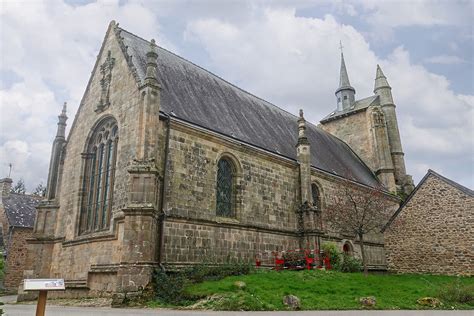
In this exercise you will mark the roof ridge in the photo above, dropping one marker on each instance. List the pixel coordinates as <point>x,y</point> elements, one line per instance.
<point>217,76</point>
<point>452,182</point>
<point>422,181</point>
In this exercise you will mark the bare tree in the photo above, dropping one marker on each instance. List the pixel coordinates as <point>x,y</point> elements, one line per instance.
<point>357,212</point>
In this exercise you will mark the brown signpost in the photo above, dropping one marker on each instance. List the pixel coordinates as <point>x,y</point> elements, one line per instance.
<point>43,286</point>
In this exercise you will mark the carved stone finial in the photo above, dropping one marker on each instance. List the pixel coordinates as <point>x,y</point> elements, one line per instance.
<point>64,108</point>
<point>302,139</point>
<point>151,65</point>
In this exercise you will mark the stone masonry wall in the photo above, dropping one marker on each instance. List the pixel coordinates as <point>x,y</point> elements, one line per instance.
<point>266,192</point>
<point>374,242</point>
<point>15,263</point>
<point>268,196</point>
<point>74,255</point>
<point>434,232</point>
<point>354,130</point>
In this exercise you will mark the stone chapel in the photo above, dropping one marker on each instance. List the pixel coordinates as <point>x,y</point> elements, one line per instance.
<point>167,165</point>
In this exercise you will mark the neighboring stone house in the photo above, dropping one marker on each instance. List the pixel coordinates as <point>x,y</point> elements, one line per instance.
<point>433,231</point>
<point>168,165</point>
<point>17,218</point>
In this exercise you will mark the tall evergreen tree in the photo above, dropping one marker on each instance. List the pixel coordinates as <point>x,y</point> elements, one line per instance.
<point>19,187</point>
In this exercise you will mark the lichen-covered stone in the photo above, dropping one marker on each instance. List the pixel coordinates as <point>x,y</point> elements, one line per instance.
<point>292,301</point>
<point>429,301</point>
<point>368,302</point>
<point>240,285</point>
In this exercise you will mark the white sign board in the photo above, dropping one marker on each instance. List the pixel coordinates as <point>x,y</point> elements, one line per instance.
<point>43,284</point>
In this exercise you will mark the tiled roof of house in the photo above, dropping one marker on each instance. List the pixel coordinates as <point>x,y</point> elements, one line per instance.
<point>197,96</point>
<point>20,209</point>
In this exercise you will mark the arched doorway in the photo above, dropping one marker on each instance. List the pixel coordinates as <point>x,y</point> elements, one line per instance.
<point>347,248</point>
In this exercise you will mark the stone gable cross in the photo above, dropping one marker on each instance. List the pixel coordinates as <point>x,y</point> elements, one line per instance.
<point>106,71</point>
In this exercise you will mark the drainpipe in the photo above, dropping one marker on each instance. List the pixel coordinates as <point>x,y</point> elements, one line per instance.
<point>163,190</point>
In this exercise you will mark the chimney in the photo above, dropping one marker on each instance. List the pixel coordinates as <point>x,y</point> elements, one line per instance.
<point>6,185</point>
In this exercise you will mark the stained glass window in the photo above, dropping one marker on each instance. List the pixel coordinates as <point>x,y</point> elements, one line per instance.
<point>99,177</point>
<point>224,188</point>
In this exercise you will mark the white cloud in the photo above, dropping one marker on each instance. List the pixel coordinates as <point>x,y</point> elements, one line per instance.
<point>445,60</point>
<point>292,61</point>
<point>287,59</point>
<point>400,13</point>
<point>51,46</point>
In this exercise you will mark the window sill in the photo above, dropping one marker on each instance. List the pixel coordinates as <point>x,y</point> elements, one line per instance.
<point>91,237</point>
<point>227,220</point>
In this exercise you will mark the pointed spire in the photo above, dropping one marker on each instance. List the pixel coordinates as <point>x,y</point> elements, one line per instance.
<point>380,80</point>
<point>63,112</point>
<point>151,64</point>
<point>343,77</point>
<point>62,118</point>
<point>345,93</point>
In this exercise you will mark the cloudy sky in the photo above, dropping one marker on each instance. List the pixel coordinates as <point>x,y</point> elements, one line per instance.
<point>286,52</point>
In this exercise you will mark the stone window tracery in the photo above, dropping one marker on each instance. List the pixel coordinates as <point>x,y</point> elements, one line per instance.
<point>225,188</point>
<point>100,160</point>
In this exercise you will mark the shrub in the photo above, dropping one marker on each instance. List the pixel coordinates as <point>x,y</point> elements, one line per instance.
<point>330,249</point>
<point>457,292</point>
<point>294,260</point>
<point>208,271</point>
<point>350,264</point>
<point>170,287</point>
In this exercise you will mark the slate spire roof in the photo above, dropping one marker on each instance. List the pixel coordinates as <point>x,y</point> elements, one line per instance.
<point>344,77</point>
<point>380,80</point>
<point>199,97</point>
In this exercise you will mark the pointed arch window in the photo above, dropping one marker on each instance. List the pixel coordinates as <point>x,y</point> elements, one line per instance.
<point>225,188</point>
<point>315,195</point>
<point>99,171</point>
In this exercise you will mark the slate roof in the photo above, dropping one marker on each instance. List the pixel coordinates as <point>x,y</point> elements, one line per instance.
<point>429,173</point>
<point>20,209</point>
<point>358,106</point>
<point>197,96</point>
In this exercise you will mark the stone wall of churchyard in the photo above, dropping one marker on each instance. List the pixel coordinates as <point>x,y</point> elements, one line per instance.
<point>267,196</point>
<point>354,130</point>
<point>434,232</point>
<point>15,262</point>
<point>73,257</point>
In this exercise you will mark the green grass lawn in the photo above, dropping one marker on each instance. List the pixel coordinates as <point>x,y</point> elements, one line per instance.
<point>324,290</point>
